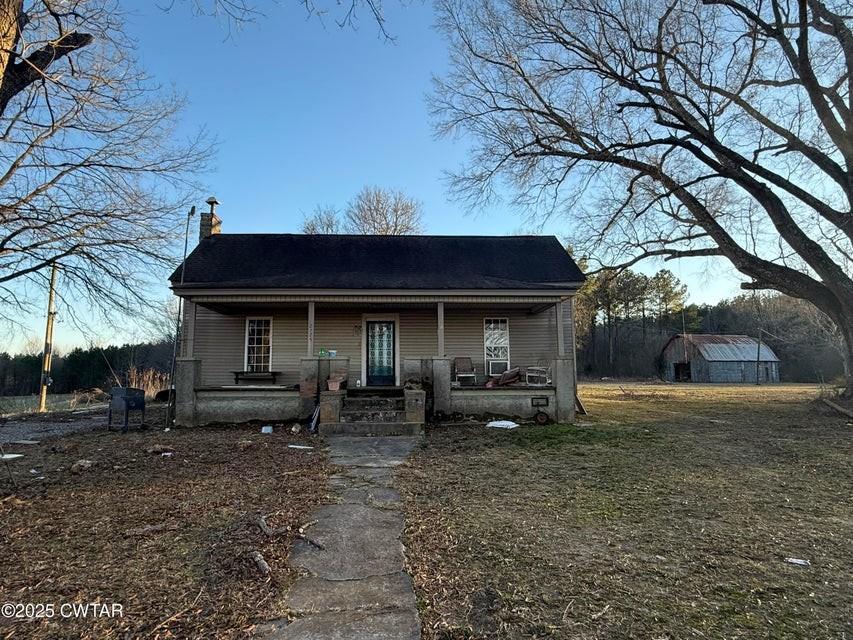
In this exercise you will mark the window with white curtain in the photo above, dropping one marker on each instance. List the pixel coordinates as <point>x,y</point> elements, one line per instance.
<point>258,344</point>
<point>496,341</point>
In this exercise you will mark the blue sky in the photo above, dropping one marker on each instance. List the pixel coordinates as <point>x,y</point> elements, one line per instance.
<point>308,113</point>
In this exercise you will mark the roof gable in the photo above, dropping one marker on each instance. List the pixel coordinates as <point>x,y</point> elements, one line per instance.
<point>295,261</point>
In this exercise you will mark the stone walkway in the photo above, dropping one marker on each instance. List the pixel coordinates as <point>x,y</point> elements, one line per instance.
<point>358,588</point>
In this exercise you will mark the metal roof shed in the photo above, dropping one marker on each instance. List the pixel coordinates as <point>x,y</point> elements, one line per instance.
<point>696,357</point>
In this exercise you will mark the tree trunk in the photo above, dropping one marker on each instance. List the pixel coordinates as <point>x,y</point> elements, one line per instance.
<point>847,334</point>
<point>10,10</point>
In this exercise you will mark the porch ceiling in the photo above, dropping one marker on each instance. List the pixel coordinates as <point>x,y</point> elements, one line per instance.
<point>241,305</point>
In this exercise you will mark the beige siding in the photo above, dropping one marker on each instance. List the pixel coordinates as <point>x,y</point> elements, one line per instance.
<point>532,337</point>
<point>219,340</point>
<point>340,329</point>
<point>219,343</point>
<point>419,333</point>
<point>289,343</point>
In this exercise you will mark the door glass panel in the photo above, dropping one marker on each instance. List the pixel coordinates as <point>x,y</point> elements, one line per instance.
<point>380,353</point>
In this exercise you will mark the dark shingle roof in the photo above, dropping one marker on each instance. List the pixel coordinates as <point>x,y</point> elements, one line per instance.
<point>291,261</point>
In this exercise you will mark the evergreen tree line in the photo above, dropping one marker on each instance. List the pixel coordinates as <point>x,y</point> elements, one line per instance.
<point>623,320</point>
<point>95,367</point>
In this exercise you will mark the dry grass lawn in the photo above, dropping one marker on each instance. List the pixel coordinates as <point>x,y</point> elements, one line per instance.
<point>168,537</point>
<point>667,513</point>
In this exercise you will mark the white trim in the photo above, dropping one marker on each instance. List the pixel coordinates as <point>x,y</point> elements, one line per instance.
<point>390,317</point>
<point>561,334</point>
<point>485,357</point>
<point>246,340</point>
<point>311,321</point>
<point>439,312</point>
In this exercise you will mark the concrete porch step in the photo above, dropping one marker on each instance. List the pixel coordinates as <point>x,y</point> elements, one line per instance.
<point>373,415</point>
<point>368,403</point>
<point>371,428</point>
<point>376,392</point>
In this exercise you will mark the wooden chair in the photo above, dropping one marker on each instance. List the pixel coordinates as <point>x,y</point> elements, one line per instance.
<point>463,368</point>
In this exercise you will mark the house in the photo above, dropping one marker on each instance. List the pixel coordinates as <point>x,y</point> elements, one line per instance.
<point>696,357</point>
<point>275,324</point>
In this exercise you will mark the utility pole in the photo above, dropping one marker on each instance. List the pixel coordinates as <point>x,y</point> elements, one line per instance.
<point>47,354</point>
<point>171,404</point>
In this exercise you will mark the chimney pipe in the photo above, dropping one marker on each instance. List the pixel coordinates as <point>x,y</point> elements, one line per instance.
<point>209,223</point>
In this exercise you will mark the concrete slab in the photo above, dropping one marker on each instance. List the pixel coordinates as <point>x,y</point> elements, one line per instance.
<point>358,588</point>
<point>371,452</point>
<point>352,541</point>
<point>370,475</point>
<point>353,495</point>
<point>399,624</point>
<point>311,595</point>
<point>383,497</point>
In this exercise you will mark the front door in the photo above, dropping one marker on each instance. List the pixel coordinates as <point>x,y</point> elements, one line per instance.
<point>380,353</point>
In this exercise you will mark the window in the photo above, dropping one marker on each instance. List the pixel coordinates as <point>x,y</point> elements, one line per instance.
<point>258,344</point>
<point>496,341</point>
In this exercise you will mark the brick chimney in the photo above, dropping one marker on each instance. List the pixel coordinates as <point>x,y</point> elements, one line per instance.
<point>209,223</point>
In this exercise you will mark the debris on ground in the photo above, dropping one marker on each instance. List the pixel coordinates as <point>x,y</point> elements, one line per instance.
<point>299,446</point>
<point>798,561</point>
<point>160,448</point>
<point>260,562</point>
<point>158,535</point>
<point>266,429</point>
<point>244,444</point>
<point>838,407</point>
<point>149,529</point>
<point>502,424</point>
<point>81,465</point>
<point>564,522</point>
<point>296,428</point>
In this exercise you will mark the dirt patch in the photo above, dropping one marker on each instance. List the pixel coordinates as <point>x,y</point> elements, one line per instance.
<point>165,531</point>
<point>660,519</point>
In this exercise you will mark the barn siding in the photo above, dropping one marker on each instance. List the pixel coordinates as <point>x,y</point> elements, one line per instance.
<point>701,370</point>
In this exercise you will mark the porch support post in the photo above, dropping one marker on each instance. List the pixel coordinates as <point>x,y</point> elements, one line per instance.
<point>188,329</point>
<point>561,334</point>
<point>440,311</point>
<point>310,329</point>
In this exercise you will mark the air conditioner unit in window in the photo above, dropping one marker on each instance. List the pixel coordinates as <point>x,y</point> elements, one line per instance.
<point>497,367</point>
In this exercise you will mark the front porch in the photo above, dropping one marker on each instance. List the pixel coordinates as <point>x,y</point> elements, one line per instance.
<point>360,342</point>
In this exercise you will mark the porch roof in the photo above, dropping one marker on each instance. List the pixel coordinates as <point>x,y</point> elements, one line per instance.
<point>359,263</point>
<point>247,302</point>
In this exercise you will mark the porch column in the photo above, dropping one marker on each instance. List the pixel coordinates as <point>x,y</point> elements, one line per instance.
<point>310,329</point>
<point>561,334</point>
<point>188,329</point>
<point>440,310</point>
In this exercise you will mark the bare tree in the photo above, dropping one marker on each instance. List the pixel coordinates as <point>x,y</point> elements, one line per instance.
<point>384,212</point>
<point>92,174</point>
<point>669,129</point>
<point>344,13</point>
<point>323,220</point>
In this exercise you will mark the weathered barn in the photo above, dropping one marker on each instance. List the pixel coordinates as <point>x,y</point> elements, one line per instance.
<point>696,357</point>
